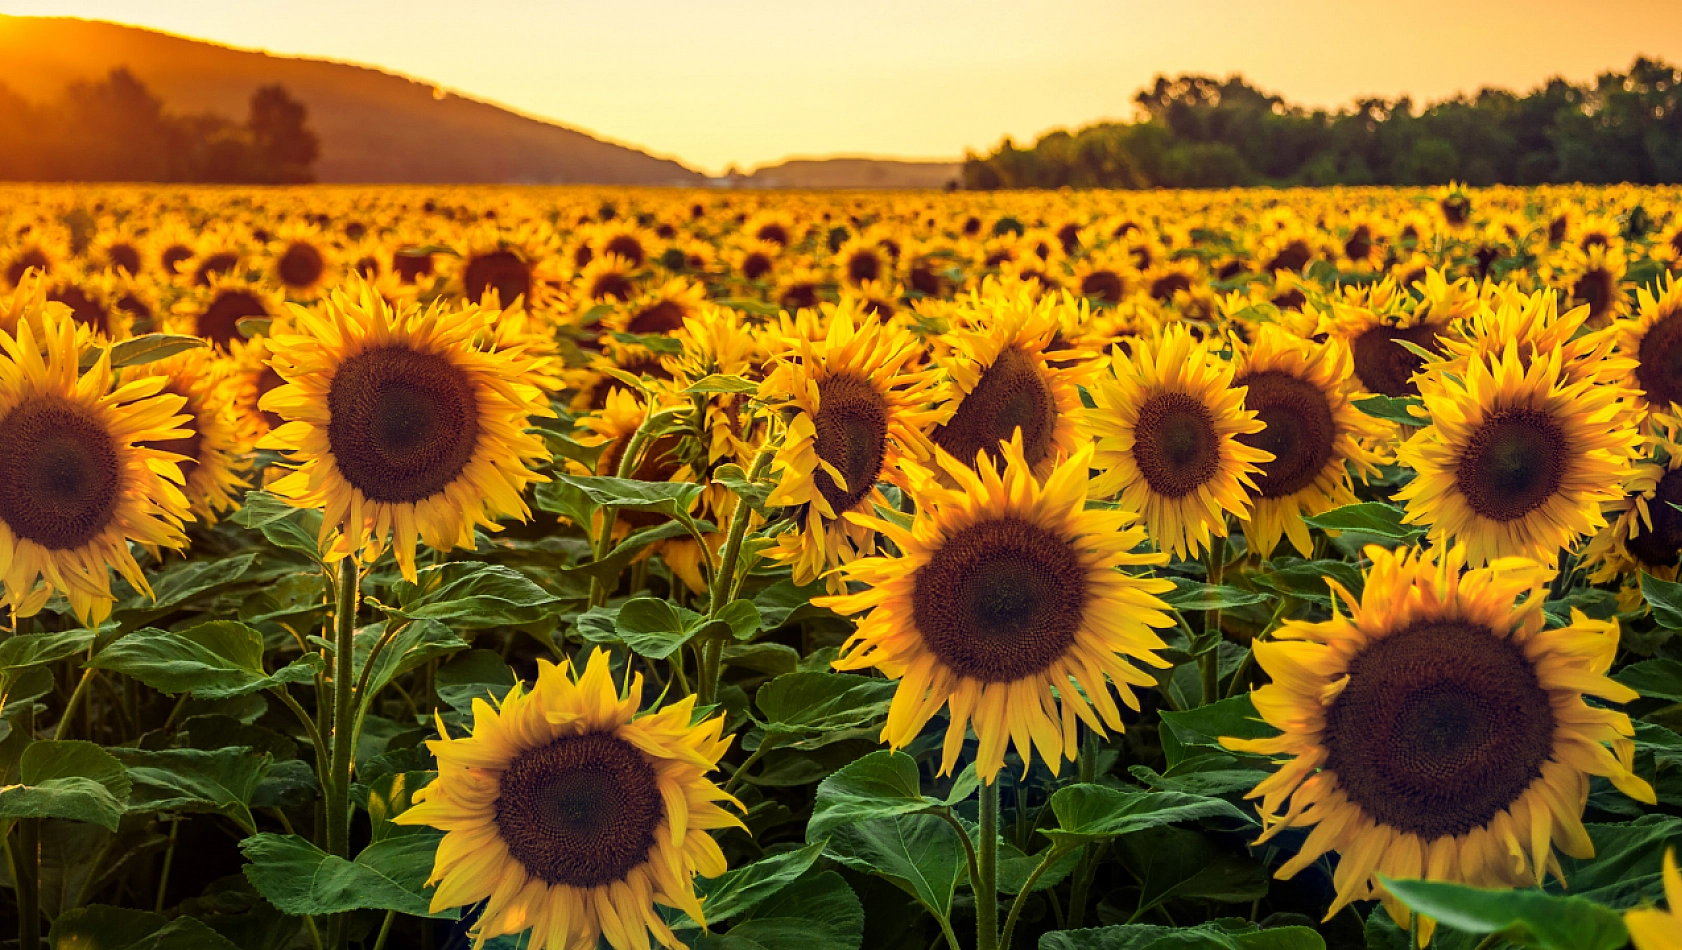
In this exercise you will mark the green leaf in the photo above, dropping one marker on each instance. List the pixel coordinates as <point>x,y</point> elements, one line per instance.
<point>295,529</point>
<point>149,348</point>
<point>1227,933</point>
<point>1654,679</point>
<point>1529,918</point>
<point>626,551</point>
<point>648,626</point>
<point>35,649</point>
<point>719,383</point>
<point>1178,863</point>
<point>784,603</point>
<point>1307,579</point>
<point>1191,731</point>
<point>299,878</point>
<point>1625,870</point>
<point>179,583</point>
<point>1665,597</point>
<point>817,912</point>
<point>733,477</point>
<point>419,642</point>
<point>391,795</point>
<point>672,499</point>
<point>68,779</point>
<point>810,710</point>
<point>99,927</point>
<point>213,660</point>
<point>1016,866</point>
<point>1191,595</point>
<point>1394,409</point>
<point>1368,517</point>
<point>476,674</point>
<point>879,785</point>
<point>739,890</point>
<point>919,853</point>
<point>1088,813</point>
<point>220,780</point>
<point>472,595</point>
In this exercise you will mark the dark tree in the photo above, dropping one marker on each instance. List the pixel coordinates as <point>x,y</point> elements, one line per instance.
<point>285,146</point>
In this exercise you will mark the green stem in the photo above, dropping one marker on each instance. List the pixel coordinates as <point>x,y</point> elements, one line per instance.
<point>169,861</point>
<point>344,727</point>
<point>742,769</point>
<point>75,702</point>
<point>724,581</point>
<point>1088,765</point>
<point>628,462</point>
<point>986,887</point>
<point>1081,886</point>
<point>945,814</point>
<point>1209,664</point>
<point>25,857</point>
<point>1051,857</point>
<point>385,930</point>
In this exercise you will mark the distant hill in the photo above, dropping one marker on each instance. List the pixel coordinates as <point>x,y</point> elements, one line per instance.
<point>853,173</point>
<point>374,126</point>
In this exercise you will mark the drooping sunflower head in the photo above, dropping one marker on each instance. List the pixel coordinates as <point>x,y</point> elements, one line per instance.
<point>1300,392</point>
<point>402,423</point>
<point>857,409</point>
<point>572,815</point>
<point>1005,589</point>
<point>1434,729</point>
<point>1166,423</point>
<point>1007,372</point>
<point>1517,460</point>
<point>80,475</point>
<point>211,458</point>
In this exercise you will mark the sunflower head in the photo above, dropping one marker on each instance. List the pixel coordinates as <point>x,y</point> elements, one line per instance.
<point>81,475</point>
<point>1167,423</point>
<point>1434,729</point>
<point>407,423</point>
<point>572,815</point>
<point>1005,589</point>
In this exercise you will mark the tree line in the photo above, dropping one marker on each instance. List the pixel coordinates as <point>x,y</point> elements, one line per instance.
<point>1201,132</point>
<point>115,129</point>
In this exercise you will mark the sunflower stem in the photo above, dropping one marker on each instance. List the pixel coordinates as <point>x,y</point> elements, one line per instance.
<point>75,701</point>
<point>344,731</point>
<point>987,863</point>
<point>1052,856</point>
<point>1209,663</point>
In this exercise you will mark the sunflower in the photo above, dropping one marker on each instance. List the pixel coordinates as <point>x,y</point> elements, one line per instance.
<point>1436,730</point>
<point>302,261</point>
<point>79,476</point>
<point>1007,593</point>
<point>1644,526</point>
<point>399,423</point>
<point>855,413</point>
<point>1517,460</point>
<point>1301,394</point>
<point>1653,929</point>
<point>214,313</point>
<point>1374,329</point>
<point>660,311</point>
<point>1654,340</point>
<point>1166,422</point>
<point>572,816</point>
<point>210,458</point>
<point>1001,378</point>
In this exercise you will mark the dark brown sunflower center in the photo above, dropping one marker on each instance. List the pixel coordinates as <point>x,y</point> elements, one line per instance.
<point>1441,726</point>
<point>1169,284</point>
<point>852,435</point>
<point>1103,284</point>
<point>300,266</point>
<point>124,258</point>
<point>219,323</point>
<point>1385,366</point>
<point>172,256</point>
<point>1659,369</point>
<point>662,316</point>
<point>502,271</point>
<point>411,265</point>
<point>773,234</point>
<point>403,424</point>
<point>1661,546</point>
<point>627,247</point>
<point>1293,257</point>
<point>1513,464</point>
<point>1359,244</point>
<point>214,266</point>
<point>863,266</point>
<point>1000,600</point>
<point>1597,288</point>
<point>1175,444</point>
<point>755,266</point>
<point>1012,394</point>
<point>60,478</point>
<point>611,285</point>
<point>84,309</point>
<point>580,811</point>
<point>1300,431</point>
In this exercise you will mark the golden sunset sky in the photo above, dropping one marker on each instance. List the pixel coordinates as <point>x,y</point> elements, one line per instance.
<point>715,82</point>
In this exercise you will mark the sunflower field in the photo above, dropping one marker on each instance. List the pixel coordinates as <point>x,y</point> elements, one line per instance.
<point>556,569</point>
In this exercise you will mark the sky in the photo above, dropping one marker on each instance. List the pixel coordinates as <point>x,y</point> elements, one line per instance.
<point>750,82</point>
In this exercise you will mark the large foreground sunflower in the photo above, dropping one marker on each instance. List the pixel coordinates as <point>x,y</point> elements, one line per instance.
<point>1301,393</point>
<point>1516,461</point>
<point>1167,423</point>
<point>855,414</point>
<point>1437,730</point>
<point>1005,596</point>
<point>399,424</point>
<point>571,816</point>
<point>80,476</point>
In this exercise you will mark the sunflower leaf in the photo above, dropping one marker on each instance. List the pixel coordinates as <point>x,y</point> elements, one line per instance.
<point>146,348</point>
<point>1528,918</point>
<point>1189,595</point>
<point>1403,410</point>
<point>1370,518</point>
<point>719,383</point>
<point>809,710</point>
<point>879,785</point>
<point>301,879</point>
<point>214,660</point>
<point>295,529</point>
<point>98,927</point>
<point>1654,679</point>
<point>472,595</point>
<point>817,912</point>
<point>921,854</point>
<point>68,779</point>
<point>195,780</point>
<point>1227,933</point>
<point>1087,813</point>
<point>1665,597</point>
<point>739,890</point>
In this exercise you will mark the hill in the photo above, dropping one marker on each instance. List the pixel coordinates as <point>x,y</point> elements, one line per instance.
<point>374,126</point>
<point>853,173</point>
